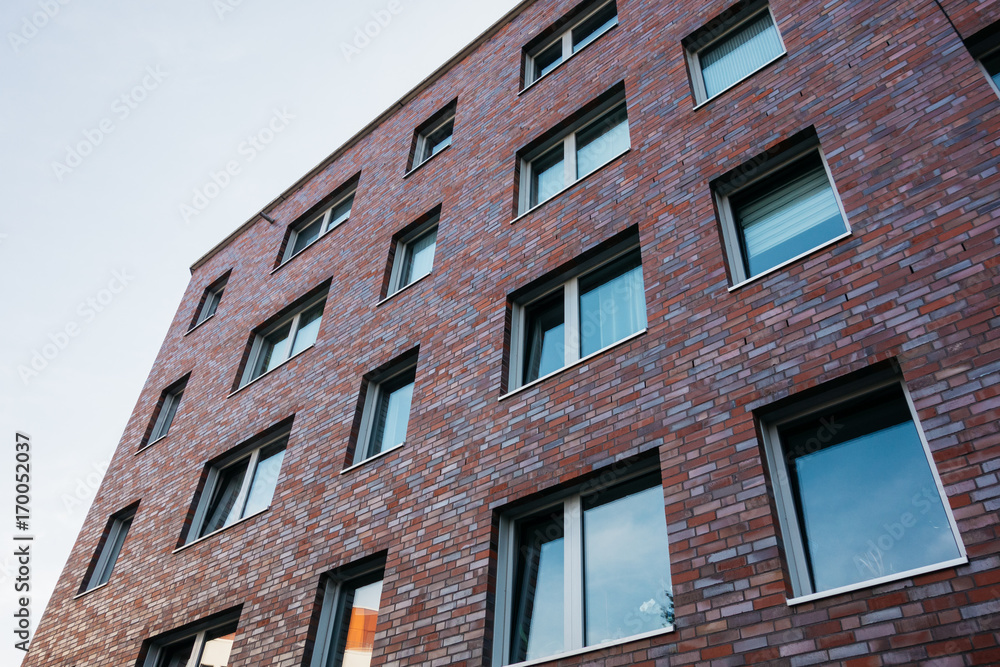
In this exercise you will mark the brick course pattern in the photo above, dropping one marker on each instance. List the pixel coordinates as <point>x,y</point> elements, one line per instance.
<point>910,128</point>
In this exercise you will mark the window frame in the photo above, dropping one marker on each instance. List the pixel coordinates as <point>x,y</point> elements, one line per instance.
<point>348,191</point>
<point>423,136</point>
<point>260,337</point>
<point>784,497</point>
<point>197,631</point>
<point>564,37</point>
<point>169,404</point>
<point>723,193</point>
<point>731,25</point>
<point>567,139</point>
<point>569,283</point>
<point>119,524</point>
<point>571,501</point>
<point>214,472</point>
<point>335,584</point>
<point>404,246</point>
<point>373,392</point>
<point>210,300</point>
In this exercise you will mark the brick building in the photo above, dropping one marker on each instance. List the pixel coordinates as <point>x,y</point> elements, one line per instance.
<point>642,332</point>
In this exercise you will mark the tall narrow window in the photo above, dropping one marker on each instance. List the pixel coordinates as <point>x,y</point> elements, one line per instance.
<point>414,256</point>
<point>170,400</point>
<point>114,538</point>
<point>283,340</point>
<point>202,645</point>
<point>386,413</point>
<point>732,48</point>
<point>590,311</point>
<point>349,620</point>
<point>582,29</point>
<point>210,300</point>
<point>586,569</point>
<point>597,139</point>
<point>239,486</point>
<point>860,501</point>
<point>303,234</point>
<point>434,136</point>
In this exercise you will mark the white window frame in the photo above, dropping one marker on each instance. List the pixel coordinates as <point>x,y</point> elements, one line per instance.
<point>736,23</point>
<point>422,146</point>
<point>362,449</point>
<point>327,225</point>
<point>199,632</point>
<point>212,480</point>
<point>723,195</point>
<point>571,501</point>
<point>403,247</point>
<point>788,511</point>
<point>210,304</point>
<point>169,405</point>
<point>565,39</point>
<point>570,285</point>
<point>568,141</point>
<point>260,339</point>
<point>104,568</point>
<point>330,622</point>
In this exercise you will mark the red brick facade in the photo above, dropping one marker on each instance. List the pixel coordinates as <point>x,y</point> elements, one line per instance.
<point>910,128</point>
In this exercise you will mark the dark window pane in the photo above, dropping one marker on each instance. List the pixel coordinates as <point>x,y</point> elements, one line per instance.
<point>437,141</point>
<point>547,176</point>
<point>265,478</point>
<point>166,416</point>
<point>418,258</point>
<point>392,413</point>
<point>341,213</point>
<point>612,304</point>
<point>867,500</point>
<point>538,621</point>
<point>544,340</point>
<point>274,350</point>
<point>546,61</point>
<point>222,510</point>
<point>114,547</point>
<point>601,142</point>
<point>176,655</point>
<point>740,54</point>
<point>358,624</point>
<point>594,27</point>
<point>307,234</point>
<point>308,329</point>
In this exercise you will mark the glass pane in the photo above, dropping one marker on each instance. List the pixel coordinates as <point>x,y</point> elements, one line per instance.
<point>787,215</point>
<point>359,641</point>
<point>274,350</point>
<point>601,142</point>
<point>222,510</point>
<point>392,417</point>
<point>265,478</point>
<point>438,140</point>
<point>546,61</point>
<point>594,27</point>
<point>176,655</point>
<point>341,213</point>
<point>612,304</point>
<point>626,563</point>
<point>740,54</point>
<point>538,622</point>
<point>419,258</point>
<point>307,234</point>
<point>545,338</point>
<point>114,548</point>
<point>869,505</point>
<point>217,650</point>
<point>308,329</point>
<point>166,416</point>
<point>547,176</point>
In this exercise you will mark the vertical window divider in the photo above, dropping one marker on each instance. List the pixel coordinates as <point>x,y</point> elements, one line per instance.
<point>571,320</point>
<point>569,159</point>
<point>573,573</point>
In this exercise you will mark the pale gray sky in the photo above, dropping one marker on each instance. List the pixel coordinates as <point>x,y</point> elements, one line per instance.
<point>113,114</point>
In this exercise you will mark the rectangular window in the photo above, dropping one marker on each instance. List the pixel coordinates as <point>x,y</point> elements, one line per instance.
<point>202,645</point>
<point>210,300</point>
<point>586,313</point>
<point>348,620</point>
<point>992,65</point>
<point>386,413</point>
<point>306,232</point>
<point>859,499</point>
<point>279,342</point>
<point>597,139</point>
<point>985,48</point>
<point>788,209</point>
<point>731,48</point>
<point>580,30</point>
<point>585,569</point>
<point>434,136</point>
<point>106,558</point>
<point>414,255</point>
<point>170,400</point>
<point>239,486</point>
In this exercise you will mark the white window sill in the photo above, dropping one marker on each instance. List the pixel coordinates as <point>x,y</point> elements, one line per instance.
<point>571,186</point>
<point>150,444</point>
<point>407,174</point>
<point>560,65</point>
<point>581,360</point>
<point>221,530</point>
<point>372,458</point>
<point>797,258</point>
<point>593,649</point>
<point>871,583</point>
<point>91,590</point>
<point>770,62</point>
<point>403,289</point>
<point>273,370</point>
<point>198,326</point>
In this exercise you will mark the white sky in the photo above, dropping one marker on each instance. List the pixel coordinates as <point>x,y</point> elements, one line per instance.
<point>220,76</point>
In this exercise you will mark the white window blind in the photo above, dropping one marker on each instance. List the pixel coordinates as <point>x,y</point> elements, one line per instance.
<point>740,54</point>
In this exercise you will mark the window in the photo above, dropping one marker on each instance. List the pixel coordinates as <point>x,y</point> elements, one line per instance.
<point>386,412</point>
<point>985,47</point>
<point>859,499</point>
<point>591,311</point>
<point>315,225</point>
<point>434,136</point>
<point>595,20</point>
<point>731,48</point>
<point>992,65</point>
<point>280,342</point>
<point>414,255</point>
<point>348,620</point>
<point>552,167</point>
<point>107,555</point>
<point>787,210</point>
<point>203,645</point>
<point>170,400</point>
<point>583,570</point>
<point>210,300</point>
<point>239,486</point>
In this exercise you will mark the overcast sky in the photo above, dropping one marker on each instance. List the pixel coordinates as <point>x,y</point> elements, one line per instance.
<point>113,114</point>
